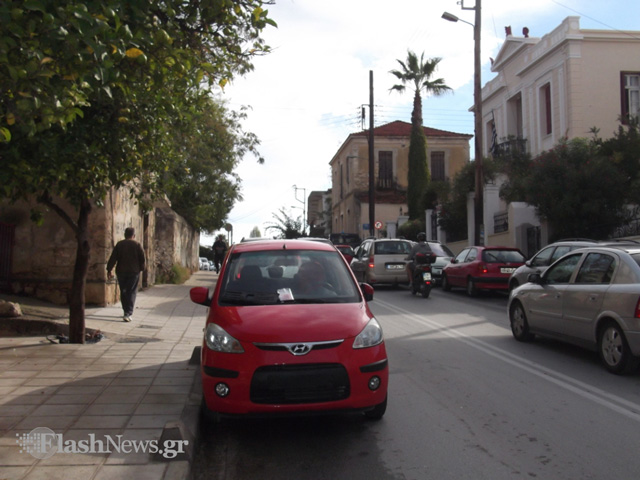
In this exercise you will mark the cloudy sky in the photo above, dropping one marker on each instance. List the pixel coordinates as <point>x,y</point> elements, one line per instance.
<point>305,97</point>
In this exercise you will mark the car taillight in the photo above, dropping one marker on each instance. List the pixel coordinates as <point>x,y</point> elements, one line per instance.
<point>483,268</point>
<point>637,314</point>
<point>371,262</point>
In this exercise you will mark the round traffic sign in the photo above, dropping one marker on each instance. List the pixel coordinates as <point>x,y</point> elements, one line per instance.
<point>378,225</point>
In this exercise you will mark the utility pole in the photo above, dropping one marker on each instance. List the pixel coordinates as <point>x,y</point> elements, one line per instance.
<point>372,186</point>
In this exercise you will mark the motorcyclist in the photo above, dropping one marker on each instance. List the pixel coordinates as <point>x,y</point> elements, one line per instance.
<point>421,247</point>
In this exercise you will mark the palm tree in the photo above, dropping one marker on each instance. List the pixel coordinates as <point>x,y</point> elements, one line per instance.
<point>418,73</point>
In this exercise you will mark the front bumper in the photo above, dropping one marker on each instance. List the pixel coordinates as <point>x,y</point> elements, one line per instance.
<point>260,382</point>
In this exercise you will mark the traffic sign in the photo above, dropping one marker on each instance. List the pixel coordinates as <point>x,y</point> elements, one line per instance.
<point>378,225</point>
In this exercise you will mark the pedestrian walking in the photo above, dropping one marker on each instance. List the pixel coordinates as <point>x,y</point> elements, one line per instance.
<point>219,250</point>
<point>128,258</point>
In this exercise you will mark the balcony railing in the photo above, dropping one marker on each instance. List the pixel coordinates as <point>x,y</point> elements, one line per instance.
<point>510,147</point>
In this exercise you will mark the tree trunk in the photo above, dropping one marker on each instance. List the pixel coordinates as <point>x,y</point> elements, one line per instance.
<point>78,285</point>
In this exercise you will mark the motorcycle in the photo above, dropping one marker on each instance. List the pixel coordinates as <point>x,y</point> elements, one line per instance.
<point>422,279</point>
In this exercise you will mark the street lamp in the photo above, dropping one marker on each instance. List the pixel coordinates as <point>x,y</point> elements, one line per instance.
<point>304,204</point>
<point>478,233</point>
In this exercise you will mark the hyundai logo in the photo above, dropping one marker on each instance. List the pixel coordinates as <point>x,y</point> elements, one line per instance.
<point>300,349</point>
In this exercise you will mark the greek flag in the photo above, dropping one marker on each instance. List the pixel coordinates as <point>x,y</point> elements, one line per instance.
<point>494,136</point>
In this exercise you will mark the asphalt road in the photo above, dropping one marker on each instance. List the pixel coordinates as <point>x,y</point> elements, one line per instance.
<point>466,401</point>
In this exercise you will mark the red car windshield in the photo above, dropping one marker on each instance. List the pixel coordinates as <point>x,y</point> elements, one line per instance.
<point>287,276</point>
<point>502,256</point>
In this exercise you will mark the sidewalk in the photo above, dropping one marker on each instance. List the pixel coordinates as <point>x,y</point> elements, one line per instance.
<point>137,384</point>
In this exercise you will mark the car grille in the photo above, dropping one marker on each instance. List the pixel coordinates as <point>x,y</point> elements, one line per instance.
<point>304,383</point>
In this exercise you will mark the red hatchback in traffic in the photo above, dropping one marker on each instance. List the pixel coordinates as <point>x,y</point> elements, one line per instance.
<point>482,268</point>
<point>289,331</point>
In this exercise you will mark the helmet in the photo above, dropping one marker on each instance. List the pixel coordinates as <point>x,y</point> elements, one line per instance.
<point>422,237</point>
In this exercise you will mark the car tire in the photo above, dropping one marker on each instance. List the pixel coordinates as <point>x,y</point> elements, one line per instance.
<point>519,323</point>
<point>614,350</point>
<point>378,411</point>
<point>472,291</point>
<point>445,283</point>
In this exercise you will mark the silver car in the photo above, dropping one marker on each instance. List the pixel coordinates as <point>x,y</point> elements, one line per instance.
<point>382,260</point>
<point>545,257</point>
<point>591,298</point>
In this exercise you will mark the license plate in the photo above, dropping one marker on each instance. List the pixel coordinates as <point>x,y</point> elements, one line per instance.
<point>426,276</point>
<point>507,270</point>
<point>395,267</point>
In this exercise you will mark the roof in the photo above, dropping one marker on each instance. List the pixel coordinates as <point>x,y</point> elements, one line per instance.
<point>398,128</point>
<point>282,244</point>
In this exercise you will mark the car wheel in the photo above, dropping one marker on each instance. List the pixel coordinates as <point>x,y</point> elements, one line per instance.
<point>472,291</point>
<point>519,323</point>
<point>445,283</point>
<point>378,411</point>
<point>614,350</point>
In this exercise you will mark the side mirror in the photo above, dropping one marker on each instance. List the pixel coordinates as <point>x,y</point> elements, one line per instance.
<point>535,278</point>
<point>200,295</point>
<point>367,291</point>
<point>453,260</point>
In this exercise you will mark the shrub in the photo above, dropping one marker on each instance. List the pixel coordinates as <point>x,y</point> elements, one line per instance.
<point>176,276</point>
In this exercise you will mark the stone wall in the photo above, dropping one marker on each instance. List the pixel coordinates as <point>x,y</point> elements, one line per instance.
<point>175,242</point>
<point>43,256</point>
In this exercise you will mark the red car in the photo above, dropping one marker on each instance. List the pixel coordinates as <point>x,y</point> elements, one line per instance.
<point>289,331</point>
<point>347,252</point>
<point>482,268</point>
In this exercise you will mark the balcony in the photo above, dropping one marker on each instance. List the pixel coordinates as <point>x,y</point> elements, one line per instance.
<point>513,146</point>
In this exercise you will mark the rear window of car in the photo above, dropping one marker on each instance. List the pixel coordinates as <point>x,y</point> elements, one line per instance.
<point>392,248</point>
<point>441,250</point>
<point>636,258</point>
<point>276,276</point>
<point>502,256</point>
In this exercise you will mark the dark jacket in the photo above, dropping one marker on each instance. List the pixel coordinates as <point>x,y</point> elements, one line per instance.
<point>127,256</point>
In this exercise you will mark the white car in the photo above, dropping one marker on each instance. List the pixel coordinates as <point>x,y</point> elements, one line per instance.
<point>204,263</point>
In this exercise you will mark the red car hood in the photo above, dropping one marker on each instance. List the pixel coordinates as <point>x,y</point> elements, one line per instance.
<point>293,323</point>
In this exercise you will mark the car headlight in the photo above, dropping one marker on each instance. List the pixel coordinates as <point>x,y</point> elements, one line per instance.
<point>220,341</point>
<point>370,336</point>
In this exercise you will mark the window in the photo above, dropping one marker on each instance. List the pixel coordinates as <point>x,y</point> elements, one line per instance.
<point>562,271</point>
<point>597,268</point>
<point>545,109</point>
<point>385,169</point>
<point>630,92</point>
<point>437,166</point>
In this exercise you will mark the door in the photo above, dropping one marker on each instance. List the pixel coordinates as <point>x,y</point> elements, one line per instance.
<point>583,298</point>
<point>545,303</point>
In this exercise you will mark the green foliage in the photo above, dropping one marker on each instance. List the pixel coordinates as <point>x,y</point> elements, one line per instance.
<point>418,72</point>
<point>286,225</point>
<point>176,276</point>
<point>411,229</point>
<point>418,172</point>
<point>114,93</point>
<point>577,190</point>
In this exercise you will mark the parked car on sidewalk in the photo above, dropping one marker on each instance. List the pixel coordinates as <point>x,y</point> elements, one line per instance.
<point>482,268</point>
<point>289,331</point>
<point>545,257</point>
<point>204,263</point>
<point>382,261</point>
<point>591,298</point>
